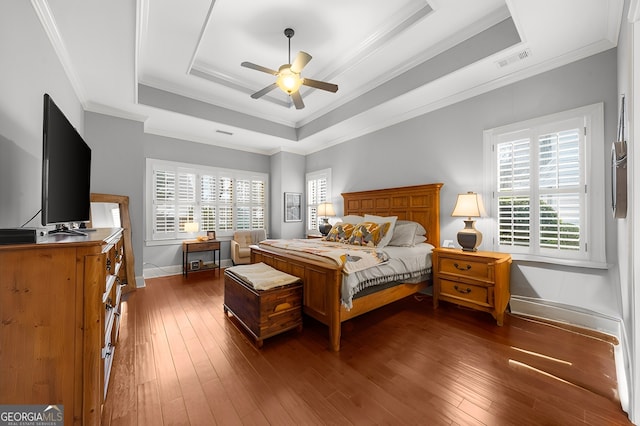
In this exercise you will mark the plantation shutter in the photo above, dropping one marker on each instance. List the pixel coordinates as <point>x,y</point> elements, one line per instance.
<point>560,184</point>
<point>220,200</point>
<point>225,204</point>
<point>208,203</point>
<point>186,192</point>
<point>243,206</point>
<point>540,189</point>
<point>316,194</point>
<point>164,212</point>
<point>514,202</point>
<point>257,204</point>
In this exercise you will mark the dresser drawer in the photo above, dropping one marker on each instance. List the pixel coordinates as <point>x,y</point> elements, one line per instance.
<point>204,246</point>
<point>464,267</point>
<point>472,293</point>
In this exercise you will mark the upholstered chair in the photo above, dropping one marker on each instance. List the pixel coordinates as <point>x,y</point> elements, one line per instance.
<point>240,245</point>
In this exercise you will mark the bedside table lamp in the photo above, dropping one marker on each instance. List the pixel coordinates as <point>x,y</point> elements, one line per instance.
<point>193,227</point>
<point>326,210</point>
<point>469,205</point>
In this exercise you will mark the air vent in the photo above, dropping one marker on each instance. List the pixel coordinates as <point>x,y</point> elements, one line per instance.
<point>523,54</point>
<point>224,132</point>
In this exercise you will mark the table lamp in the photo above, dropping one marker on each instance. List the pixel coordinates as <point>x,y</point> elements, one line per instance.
<point>469,205</point>
<point>325,210</point>
<point>193,227</point>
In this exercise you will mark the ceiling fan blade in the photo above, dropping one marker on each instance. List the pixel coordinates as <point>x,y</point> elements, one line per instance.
<point>322,85</point>
<point>259,68</point>
<point>297,99</point>
<point>299,63</point>
<point>261,93</point>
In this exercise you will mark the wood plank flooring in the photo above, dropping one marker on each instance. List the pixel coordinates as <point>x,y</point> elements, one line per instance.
<point>180,360</point>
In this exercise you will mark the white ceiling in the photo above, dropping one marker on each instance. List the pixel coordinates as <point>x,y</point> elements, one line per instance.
<point>175,64</point>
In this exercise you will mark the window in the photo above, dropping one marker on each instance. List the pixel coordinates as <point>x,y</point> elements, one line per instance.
<point>318,191</point>
<point>544,180</point>
<point>218,200</point>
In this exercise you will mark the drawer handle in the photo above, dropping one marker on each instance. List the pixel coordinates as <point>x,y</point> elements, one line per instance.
<point>462,290</point>
<point>460,268</point>
<point>282,307</point>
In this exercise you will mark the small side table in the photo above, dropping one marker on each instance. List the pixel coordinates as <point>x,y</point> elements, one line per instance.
<point>477,280</point>
<point>192,246</point>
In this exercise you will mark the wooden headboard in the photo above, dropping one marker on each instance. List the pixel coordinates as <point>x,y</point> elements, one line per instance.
<point>419,203</point>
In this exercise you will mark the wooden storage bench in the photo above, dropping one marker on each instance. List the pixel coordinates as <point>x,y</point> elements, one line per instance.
<point>264,313</point>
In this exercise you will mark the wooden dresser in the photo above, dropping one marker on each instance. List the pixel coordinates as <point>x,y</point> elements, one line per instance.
<point>477,280</point>
<point>59,319</point>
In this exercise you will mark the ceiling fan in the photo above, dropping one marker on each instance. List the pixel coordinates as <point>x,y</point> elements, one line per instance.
<point>289,78</point>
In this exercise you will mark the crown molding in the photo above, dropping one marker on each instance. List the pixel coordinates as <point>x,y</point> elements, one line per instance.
<point>43,11</point>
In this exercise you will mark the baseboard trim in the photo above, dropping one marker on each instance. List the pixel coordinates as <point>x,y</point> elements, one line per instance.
<point>165,271</point>
<point>571,315</point>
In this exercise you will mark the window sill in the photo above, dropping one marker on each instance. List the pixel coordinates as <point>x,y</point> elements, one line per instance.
<point>576,263</point>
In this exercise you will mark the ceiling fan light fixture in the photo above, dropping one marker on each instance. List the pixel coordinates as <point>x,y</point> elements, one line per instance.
<point>288,80</point>
<point>288,77</point>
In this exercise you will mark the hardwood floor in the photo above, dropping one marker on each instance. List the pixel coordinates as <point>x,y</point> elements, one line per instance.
<point>179,360</point>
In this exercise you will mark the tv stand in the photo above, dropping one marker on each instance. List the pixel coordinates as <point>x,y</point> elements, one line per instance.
<point>63,229</point>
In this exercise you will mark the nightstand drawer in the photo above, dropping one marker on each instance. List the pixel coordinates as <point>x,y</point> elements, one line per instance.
<point>472,293</point>
<point>465,268</point>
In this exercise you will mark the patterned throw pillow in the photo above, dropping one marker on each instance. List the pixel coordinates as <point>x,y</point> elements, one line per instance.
<point>369,233</point>
<point>340,232</point>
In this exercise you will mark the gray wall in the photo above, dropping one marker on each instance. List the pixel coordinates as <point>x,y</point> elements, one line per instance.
<point>118,168</point>
<point>30,68</point>
<point>435,147</point>
<point>287,175</point>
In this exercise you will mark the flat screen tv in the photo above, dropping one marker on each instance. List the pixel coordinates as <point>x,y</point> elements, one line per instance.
<point>66,171</point>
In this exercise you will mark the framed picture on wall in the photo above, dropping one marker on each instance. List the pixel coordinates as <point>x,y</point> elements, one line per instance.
<point>292,207</point>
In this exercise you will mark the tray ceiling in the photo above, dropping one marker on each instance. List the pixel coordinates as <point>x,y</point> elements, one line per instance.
<point>176,65</point>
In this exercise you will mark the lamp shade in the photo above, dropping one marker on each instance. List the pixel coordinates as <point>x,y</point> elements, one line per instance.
<point>191,227</point>
<point>326,209</point>
<point>468,205</point>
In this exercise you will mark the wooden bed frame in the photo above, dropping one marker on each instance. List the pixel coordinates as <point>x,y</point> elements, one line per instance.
<point>322,281</point>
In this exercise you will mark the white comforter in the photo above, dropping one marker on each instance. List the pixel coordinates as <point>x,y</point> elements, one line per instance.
<point>402,264</point>
<point>405,264</point>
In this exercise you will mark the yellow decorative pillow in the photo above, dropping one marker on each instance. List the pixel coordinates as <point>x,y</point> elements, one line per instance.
<point>340,232</point>
<point>369,233</point>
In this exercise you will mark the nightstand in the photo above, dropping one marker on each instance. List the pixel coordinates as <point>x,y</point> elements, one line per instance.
<point>192,246</point>
<point>477,280</point>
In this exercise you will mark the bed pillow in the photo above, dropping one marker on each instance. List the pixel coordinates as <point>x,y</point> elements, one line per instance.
<point>369,234</point>
<point>340,232</point>
<point>407,233</point>
<point>404,234</point>
<point>383,219</point>
<point>420,231</point>
<point>353,219</point>
<point>419,239</point>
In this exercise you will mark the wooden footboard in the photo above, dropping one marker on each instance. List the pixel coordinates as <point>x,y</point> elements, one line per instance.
<point>320,291</point>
